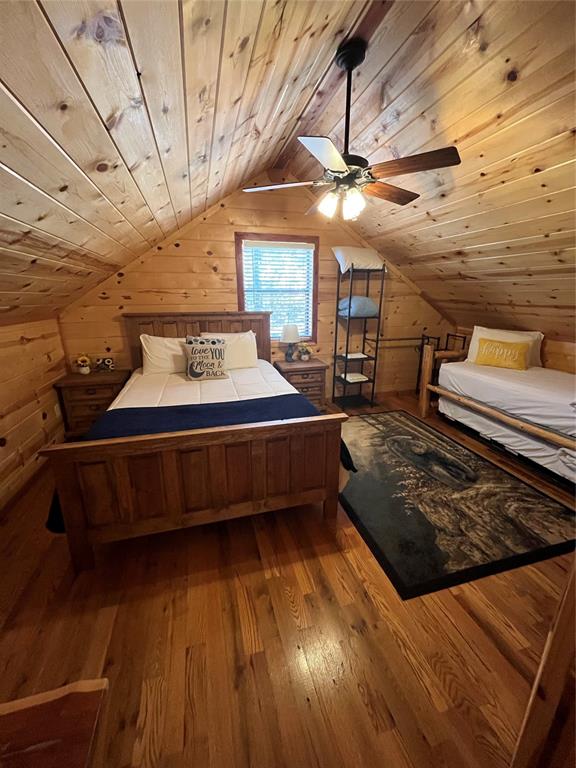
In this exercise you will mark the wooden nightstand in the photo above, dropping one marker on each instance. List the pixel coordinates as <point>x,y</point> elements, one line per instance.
<point>308,377</point>
<point>84,398</point>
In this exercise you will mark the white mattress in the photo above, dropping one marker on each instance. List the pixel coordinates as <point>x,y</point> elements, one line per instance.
<point>158,389</point>
<point>540,395</point>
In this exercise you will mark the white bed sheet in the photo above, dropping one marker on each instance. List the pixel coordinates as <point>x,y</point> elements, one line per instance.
<point>163,389</point>
<point>540,395</point>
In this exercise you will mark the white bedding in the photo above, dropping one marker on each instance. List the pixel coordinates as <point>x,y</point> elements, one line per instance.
<point>158,389</point>
<point>540,395</point>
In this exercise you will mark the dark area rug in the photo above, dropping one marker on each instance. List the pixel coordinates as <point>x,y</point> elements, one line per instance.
<point>436,514</point>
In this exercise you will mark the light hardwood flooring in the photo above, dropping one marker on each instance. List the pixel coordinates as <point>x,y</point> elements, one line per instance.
<point>275,641</point>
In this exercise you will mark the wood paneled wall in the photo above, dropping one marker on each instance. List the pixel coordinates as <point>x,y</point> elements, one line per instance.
<point>31,360</point>
<point>559,354</point>
<point>491,240</point>
<point>196,270</point>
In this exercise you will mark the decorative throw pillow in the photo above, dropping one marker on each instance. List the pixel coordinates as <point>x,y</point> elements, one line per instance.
<point>503,354</point>
<point>534,338</point>
<point>206,359</point>
<point>360,306</point>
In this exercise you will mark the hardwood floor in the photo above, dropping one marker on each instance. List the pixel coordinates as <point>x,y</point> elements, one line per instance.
<point>275,641</point>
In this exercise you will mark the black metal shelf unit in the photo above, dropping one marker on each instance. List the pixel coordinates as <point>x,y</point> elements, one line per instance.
<point>344,361</point>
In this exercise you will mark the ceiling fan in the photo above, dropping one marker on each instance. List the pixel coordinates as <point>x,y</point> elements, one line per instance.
<point>349,176</point>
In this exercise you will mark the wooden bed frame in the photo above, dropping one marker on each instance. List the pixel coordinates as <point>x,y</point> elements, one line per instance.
<point>132,486</point>
<point>431,355</point>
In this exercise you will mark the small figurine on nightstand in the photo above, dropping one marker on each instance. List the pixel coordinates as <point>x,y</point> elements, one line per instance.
<point>290,336</point>
<point>104,364</point>
<point>82,362</point>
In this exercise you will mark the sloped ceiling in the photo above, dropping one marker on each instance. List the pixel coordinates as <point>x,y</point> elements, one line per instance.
<point>122,121</point>
<point>492,240</point>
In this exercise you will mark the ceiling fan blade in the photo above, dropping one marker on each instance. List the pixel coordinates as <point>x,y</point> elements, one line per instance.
<point>325,152</point>
<point>314,207</point>
<point>439,158</point>
<point>318,183</point>
<point>390,193</point>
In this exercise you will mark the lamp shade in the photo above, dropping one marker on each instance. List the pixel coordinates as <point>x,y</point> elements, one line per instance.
<point>290,334</point>
<point>328,204</point>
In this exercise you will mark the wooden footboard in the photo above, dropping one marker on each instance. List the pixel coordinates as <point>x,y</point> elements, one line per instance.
<point>125,487</point>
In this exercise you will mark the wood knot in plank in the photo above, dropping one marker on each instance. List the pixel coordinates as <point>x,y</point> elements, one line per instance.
<point>104,28</point>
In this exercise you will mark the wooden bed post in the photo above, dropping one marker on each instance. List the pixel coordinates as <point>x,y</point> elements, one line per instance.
<point>425,379</point>
<point>70,498</point>
<point>331,507</point>
<point>330,504</point>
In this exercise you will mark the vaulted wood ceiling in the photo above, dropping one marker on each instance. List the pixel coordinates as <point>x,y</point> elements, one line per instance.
<point>121,121</point>
<point>492,240</point>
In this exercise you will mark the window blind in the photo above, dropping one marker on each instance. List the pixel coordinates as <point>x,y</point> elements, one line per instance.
<point>279,278</point>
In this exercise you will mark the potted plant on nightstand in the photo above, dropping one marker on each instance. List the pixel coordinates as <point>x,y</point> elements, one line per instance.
<point>304,353</point>
<point>83,364</point>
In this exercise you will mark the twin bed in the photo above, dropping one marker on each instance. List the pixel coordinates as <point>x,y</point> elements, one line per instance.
<point>169,470</point>
<point>530,412</point>
<point>540,396</point>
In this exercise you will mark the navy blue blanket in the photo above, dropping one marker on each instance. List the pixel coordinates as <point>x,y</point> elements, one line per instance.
<point>128,422</point>
<point>124,422</point>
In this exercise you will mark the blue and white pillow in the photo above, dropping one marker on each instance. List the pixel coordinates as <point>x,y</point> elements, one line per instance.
<point>206,359</point>
<point>360,306</point>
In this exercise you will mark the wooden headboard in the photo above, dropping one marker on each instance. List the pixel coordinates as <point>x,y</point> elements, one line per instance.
<point>181,324</point>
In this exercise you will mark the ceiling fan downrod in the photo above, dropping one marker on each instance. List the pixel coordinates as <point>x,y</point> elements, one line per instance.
<point>350,54</point>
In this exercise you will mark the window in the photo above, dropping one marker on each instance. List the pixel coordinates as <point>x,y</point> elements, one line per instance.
<point>278,274</point>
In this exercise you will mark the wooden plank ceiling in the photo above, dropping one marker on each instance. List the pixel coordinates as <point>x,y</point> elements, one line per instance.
<point>121,121</point>
<point>492,240</point>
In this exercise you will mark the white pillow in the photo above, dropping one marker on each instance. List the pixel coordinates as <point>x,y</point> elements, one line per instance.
<point>162,355</point>
<point>534,337</point>
<point>241,351</point>
<point>362,258</point>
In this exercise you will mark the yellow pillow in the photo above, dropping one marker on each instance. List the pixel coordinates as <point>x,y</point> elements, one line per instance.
<point>503,354</point>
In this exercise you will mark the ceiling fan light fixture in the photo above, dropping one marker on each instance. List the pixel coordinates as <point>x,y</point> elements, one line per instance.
<point>353,204</point>
<point>328,204</point>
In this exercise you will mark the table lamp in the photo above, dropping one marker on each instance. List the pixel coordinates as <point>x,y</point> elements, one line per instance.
<point>291,337</point>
